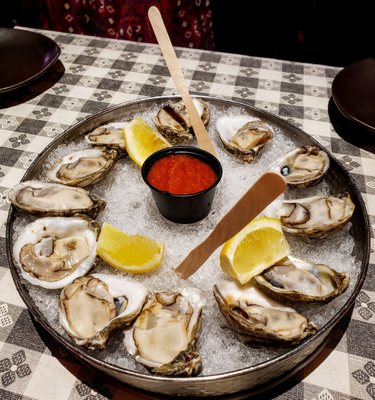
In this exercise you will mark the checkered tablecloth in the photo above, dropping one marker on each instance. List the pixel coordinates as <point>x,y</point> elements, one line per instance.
<point>94,73</point>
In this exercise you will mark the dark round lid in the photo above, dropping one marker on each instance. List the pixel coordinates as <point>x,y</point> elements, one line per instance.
<point>24,56</point>
<point>353,91</point>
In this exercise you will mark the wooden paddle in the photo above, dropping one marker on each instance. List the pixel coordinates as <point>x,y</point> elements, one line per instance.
<point>256,199</point>
<point>156,20</point>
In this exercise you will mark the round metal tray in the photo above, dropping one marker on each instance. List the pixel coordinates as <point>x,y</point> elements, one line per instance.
<point>251,378</point>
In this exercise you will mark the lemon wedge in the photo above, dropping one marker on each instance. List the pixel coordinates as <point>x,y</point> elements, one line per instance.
<point>258,246</point>
<point>141,140</point>
<point>135,254</point>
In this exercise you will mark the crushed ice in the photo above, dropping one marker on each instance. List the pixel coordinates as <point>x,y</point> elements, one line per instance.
<point>131,208</point>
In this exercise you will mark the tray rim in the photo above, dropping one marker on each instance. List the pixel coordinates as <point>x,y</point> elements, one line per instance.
<point>81,353</point>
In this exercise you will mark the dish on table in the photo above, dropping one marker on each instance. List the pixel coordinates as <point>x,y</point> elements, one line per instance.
<point>353,91</point>
<point>24,57</point>
<point>130,207</point>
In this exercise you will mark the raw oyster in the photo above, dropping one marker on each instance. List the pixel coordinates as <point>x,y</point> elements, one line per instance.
<point>83,167</point>
<point>163,337</point>
<point>300,280</point>
<point>316,217</point>
<point>45,198</point>
<point>93,306</point>
<point>173,121</point>
<point>51,252</point>
<point>303,167</point>
<point>243,135</point>
<point>258,318</point>
<point>110,136</point>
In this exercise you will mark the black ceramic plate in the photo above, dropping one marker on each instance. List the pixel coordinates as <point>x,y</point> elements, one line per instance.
<point>353,91</point>
<point>24,56</point>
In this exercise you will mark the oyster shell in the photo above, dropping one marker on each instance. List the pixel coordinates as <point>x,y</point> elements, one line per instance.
<point>258,318</point>
<point>299,280</point>
<point>163,337</point>
<point>303,167</point>
<point>45,198</point>
<point>51,252</point>
<point>316,217</point>
<point>242,135</point>
<point>83,167</point>
<point>92,307</point>
<point>110,136</point>
<point>173,121</point>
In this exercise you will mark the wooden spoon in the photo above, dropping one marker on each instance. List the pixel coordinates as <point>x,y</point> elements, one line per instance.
<point>256,199</point>
<point>156,20</point>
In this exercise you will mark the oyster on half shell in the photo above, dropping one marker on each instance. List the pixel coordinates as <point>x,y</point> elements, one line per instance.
<point>299,280</point>
<point>46,198</point>
<point>93,306</point>
<point>164,335</point>
<point>258,318</point>
<point>83,167</point>
<point>53,251</point>
<point>173,121</point>
<point>316,217</point>
<point>243,135</point>
<point>110,136</point>
<point>303,167</point>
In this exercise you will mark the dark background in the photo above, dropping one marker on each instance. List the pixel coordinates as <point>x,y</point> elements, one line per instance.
<point>332,32</point>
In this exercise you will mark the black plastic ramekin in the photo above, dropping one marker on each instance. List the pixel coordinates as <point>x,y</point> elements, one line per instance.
<point>183,208</point>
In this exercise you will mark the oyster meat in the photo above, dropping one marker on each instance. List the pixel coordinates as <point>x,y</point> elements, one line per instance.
<point>163,337</point>
<point>83,167</point>
<point>299,280</point>
<point>110,136</point>
<point>258,318</point>
<point>53,251</point>
<point>242,135</point>
<point>316,217</point>
<point>303,167</point>
<point>93,306</point>
<point>45,198</point>
<point>173,121</point>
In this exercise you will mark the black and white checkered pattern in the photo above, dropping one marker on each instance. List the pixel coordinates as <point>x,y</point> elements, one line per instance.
<point>93,74</point>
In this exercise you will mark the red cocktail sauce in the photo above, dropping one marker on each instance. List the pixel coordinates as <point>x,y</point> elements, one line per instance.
<point>180,174</point>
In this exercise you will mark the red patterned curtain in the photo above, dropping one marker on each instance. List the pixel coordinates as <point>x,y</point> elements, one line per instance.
<point>189,22</point>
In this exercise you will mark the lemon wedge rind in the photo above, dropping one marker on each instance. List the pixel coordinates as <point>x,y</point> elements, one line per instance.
<point>134,254</point>
<point>141,140</point>
<point>261,243</point>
